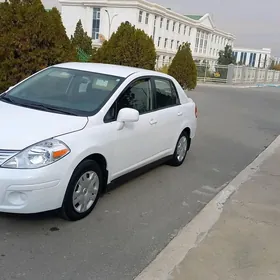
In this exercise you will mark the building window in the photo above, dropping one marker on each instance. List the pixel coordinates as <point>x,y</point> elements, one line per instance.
<point>197,41</point>
<point>205,43</point>
<point>254,59</point>
<point>167,24</point>
<point>171,44</point>
<point>140,16</point>
<point>179,29</point>
<point>178,44</point>
<point>154,30</point>
<point>95,23</point>
<point>190,31</point>
<point>147,18</point>
<point>163,60</point>
<point>174,23</point>
<point>259,63</point>
<point>201,42</point>
<point>158,43</point>
<point>245,58</point>
<point>165,42</point>
<point>185,29</point>
<point>161,21</point>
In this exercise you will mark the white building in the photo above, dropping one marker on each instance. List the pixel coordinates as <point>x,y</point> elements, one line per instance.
<point>260,58</point>
<point>168,29</point>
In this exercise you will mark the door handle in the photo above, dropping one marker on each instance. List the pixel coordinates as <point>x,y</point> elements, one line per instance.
<point>180,114</point>
<point>153,122</point>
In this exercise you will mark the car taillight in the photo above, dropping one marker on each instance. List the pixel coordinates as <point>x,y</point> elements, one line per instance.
<point>196,111</point>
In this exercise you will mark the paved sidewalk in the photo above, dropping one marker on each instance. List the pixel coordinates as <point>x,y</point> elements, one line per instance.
<point>244,242</point>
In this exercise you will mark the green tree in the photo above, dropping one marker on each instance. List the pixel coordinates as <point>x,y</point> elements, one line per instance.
<point>226,56</point>
<point>128,46</point>
<point>81,39</point>
<point>27,40</point>
<point>62,49</point>
<point>183,67</point>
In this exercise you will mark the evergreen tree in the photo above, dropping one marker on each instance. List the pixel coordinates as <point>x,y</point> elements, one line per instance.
<point>226,56</point>
<point>63,49</point>
<point>27,40</point>
<point>128,46</point>
<point>81,39</point>
<point>183,67</point>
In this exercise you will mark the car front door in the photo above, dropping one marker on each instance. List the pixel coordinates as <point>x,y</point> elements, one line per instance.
<point>135,144</point>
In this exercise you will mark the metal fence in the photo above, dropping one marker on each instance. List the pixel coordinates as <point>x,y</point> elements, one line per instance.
<point>208,73</point>
<point>234,74</point>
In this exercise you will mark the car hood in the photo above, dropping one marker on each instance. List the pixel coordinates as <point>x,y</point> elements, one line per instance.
<point>21,127</point>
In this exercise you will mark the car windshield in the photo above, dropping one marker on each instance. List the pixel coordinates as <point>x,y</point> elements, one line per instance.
<point>64,90</point>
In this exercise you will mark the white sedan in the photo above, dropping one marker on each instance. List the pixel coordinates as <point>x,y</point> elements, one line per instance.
<point>71,129</point>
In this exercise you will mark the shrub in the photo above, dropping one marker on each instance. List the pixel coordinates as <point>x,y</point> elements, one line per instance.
<point>183,67</point>
<point>164,69</point>
<point>128,46</point>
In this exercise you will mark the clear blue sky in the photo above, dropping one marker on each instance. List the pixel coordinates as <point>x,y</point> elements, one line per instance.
<point>255,23</point>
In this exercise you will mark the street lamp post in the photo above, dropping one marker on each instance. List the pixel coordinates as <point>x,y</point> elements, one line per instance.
<point>110,22</point>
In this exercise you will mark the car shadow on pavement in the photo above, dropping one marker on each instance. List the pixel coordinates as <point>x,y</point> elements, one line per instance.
<point>31,217</point>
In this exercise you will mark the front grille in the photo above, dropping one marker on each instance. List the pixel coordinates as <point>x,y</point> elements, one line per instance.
<point>6,154</point>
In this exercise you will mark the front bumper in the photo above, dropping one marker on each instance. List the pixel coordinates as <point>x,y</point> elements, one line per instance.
<point>33,191</point>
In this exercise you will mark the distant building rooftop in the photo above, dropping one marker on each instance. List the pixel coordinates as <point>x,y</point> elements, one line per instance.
<point>195,17</point>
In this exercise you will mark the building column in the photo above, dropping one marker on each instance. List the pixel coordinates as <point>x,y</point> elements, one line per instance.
<point>193,38</point>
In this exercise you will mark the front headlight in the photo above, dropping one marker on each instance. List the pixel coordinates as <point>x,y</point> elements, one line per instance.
<point>38,155</point>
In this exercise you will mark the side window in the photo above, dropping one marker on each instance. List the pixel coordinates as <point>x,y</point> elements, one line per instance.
<point>137,96</point>
<point>166,94</point>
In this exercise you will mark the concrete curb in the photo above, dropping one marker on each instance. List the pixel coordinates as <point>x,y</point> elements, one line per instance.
<point>193,233</point>
<point>239,86</point>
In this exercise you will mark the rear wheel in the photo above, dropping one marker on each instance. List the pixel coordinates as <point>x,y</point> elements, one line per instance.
<point>83,191</point>
<point>181,149</point>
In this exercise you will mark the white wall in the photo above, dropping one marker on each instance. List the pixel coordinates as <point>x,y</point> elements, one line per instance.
<point>71,15</point>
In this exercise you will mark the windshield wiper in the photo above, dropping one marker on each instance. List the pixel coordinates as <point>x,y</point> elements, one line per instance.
<point>47,108</point>
<point>50,109</point>
<point>7,99</point>
<point>43,107</point>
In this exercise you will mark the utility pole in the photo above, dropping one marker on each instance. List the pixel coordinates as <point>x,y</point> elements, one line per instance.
<point>110,22</point>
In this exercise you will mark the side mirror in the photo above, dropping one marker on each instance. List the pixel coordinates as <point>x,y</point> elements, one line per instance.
<point>127,115</point>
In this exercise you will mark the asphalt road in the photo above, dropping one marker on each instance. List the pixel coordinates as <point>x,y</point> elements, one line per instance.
<point>133,222</point>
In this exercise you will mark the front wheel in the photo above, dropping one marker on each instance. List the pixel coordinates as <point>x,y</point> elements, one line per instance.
<point>83,191</point>
<point>181,150</point>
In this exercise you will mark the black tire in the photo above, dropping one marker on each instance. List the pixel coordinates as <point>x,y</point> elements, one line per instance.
<point>175,160</point>
<point>68,210</point>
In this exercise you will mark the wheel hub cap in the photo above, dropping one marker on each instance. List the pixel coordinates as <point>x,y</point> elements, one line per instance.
<point>85,191</point>
<point>182,148</point>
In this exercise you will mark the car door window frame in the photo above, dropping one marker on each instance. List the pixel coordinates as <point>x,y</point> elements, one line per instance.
<point>107,119</point>
<point>172,87</point>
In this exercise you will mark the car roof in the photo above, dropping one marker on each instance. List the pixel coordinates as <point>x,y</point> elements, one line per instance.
<point>109,69</point>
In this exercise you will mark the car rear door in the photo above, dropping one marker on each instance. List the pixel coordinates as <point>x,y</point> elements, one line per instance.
<point>169,113</point>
